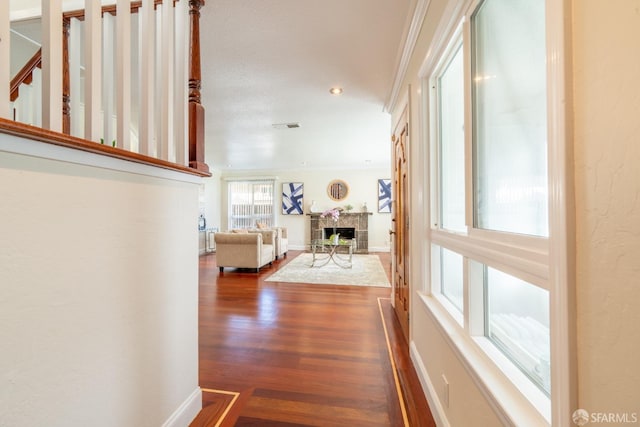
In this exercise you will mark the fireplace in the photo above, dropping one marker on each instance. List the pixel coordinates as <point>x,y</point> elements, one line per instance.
<point>349,225</point>
<point>344,232</point>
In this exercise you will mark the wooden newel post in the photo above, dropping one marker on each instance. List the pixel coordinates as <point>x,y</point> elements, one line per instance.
<point>196,110</point>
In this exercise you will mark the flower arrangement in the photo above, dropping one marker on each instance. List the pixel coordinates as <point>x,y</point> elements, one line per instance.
<point>333,213</point>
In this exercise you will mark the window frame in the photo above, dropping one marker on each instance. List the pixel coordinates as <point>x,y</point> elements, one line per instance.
<point>230,216</point>
<point>542,261</point>
<point>454,46</point>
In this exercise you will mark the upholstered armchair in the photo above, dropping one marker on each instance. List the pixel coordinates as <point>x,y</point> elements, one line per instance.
<point>282,242</point>
<point>245,250</point>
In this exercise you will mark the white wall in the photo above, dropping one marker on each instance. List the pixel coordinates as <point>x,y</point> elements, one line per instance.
<point>363,187</point>
<point>98,291</point>
<point>607,154</point>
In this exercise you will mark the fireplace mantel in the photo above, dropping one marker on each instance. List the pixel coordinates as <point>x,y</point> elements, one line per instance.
<point>357,220</point>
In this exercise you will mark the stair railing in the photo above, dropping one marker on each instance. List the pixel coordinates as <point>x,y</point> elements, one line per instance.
<point>173,132</point>
<point>25,75</point>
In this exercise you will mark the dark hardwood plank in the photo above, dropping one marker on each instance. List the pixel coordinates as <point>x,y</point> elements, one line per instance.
<point>301,354</point>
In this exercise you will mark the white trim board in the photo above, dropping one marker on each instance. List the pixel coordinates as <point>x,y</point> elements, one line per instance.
<point>439,415</point>
<point>187,411</point>
<point>28,147</point>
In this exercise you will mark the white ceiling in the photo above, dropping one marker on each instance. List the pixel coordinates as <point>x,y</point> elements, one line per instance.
<point>268,62</point>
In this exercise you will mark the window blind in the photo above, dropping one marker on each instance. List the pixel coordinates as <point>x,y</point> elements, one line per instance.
<point>250,202</point>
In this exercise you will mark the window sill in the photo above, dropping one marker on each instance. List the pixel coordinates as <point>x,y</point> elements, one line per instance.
<point>451,309</point>
<point>513,397</point>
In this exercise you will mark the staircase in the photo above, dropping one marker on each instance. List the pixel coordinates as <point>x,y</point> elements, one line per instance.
<point>125,76</point>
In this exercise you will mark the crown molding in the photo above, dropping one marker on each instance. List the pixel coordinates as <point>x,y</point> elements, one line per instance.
<point>419,13</point>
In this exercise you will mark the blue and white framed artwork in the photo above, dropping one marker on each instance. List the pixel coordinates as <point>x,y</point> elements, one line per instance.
<point>384,195</point>
<point>292,198</point>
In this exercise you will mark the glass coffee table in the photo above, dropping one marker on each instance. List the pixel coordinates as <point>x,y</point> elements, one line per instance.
<point>339,251</point>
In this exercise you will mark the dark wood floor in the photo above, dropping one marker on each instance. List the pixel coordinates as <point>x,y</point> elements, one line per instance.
<point>291,354</point>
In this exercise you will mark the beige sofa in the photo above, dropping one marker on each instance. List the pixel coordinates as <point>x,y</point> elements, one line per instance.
<point>245,250</point>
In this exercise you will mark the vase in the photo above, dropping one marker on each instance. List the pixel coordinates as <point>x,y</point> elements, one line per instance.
<point>336,239</point>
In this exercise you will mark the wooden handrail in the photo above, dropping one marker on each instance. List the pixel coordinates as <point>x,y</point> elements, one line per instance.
<point>111,9</point>
<point>10,127</point>
<point>25,75</point>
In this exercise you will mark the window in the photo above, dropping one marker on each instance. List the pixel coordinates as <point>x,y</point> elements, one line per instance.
<point>517,322</point>
<point>450,96</point>
<point>489,236</point>
<point>250,202</point>
<point>509,117</point>
<point>451,286</point>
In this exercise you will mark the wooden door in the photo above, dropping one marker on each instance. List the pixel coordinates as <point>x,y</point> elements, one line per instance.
<point>400,224</point>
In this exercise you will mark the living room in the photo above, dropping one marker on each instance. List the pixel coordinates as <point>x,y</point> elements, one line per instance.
<point>363,189</point>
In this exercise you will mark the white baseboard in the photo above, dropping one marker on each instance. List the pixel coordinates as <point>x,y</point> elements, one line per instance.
<point>439,415</point>
<point>187,411</point>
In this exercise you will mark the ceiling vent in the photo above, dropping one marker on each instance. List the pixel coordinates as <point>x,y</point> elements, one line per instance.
<point>286,125</point>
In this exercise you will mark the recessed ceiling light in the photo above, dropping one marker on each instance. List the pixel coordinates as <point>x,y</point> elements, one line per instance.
<point>335,90</point>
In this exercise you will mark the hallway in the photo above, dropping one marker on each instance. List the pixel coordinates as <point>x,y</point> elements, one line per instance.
<point>286,354</point>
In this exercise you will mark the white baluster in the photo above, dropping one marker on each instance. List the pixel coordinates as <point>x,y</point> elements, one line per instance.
<point>52,65</point>
<point>157,55</point>
<point>5,55</point>
<point>135,82</point>
<point>75,46</point>
<point>182,82</point>
<point>123,73</point>
<point>35,99</point>
<point>168,95</point>
<point>108,77</point>
<point>93,70</point>
<point>147,77</point>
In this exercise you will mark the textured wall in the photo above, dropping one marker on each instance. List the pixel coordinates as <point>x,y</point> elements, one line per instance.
<point>607,160</point>
<point>98,295</point>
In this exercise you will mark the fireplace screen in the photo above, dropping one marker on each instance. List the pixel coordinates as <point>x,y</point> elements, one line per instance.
<point>344,232</point>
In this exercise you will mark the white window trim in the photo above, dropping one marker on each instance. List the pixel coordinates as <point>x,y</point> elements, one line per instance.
<point>436,290</point>
<point>561,220</point>
<point>525,263</point>
<point>254,180</point>
<point>508,402</point>
<point>545,262</point>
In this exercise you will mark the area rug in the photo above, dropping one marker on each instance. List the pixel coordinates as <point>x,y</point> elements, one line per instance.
<point>365,271</point>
